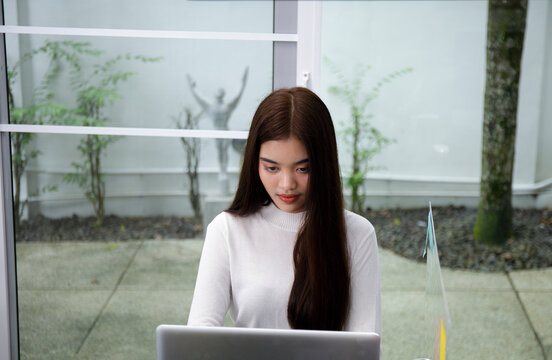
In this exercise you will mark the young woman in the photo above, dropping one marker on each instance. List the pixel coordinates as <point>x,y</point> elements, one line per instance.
<point>286,254</point>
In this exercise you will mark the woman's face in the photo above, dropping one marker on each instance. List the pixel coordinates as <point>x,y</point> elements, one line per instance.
<point>284,172</point>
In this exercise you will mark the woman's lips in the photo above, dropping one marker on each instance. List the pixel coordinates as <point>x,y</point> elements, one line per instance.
<point>288,199</point>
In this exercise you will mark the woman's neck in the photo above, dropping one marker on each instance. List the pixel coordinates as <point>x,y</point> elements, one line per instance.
<point>282,219</point>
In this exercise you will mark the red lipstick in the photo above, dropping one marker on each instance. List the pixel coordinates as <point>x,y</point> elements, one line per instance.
<point>288,199</point>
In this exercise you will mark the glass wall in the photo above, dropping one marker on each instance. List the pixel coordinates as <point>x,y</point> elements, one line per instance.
<point>107,228</point>
<point>82,285</point>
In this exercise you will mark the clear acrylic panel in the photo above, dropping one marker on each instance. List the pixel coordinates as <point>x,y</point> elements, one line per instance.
<point>143,83</point>
<point>81,283</point>
<point>223,16</point>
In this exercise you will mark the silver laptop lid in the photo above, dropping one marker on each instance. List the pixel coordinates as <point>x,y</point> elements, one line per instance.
<point>175,342</point>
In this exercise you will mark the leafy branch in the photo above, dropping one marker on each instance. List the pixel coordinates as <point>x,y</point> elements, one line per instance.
<point>95,92</point>
<point>41,110</point>
<point>363,140</point>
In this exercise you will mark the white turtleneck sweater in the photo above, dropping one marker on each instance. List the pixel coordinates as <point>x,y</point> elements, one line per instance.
<point>247,267</point>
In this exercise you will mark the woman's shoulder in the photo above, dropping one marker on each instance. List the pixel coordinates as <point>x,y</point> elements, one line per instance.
<point>361,235</point>
<point>227,219</point>
<point>357,223</point>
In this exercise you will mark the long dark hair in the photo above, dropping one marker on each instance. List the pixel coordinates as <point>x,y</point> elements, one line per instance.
<point>320,295</point>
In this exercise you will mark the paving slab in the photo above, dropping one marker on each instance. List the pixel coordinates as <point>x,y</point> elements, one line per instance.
<point>465,280</point>
<point>398,273</point>
<point>547,344</point>
<point>126,329</point>
<point>193,244</point>
<point>487,318</point>
<point>53,323</point>
<point>405,334</point>
<point>489,325</point>
<point>532,279</point>
<point>72,265</point>
<point>539,309</point>
<point>164,264</point>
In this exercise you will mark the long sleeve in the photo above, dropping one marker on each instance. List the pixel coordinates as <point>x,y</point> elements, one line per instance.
<point>365,312</point>
<point>246,269</point>
<point>212,290</point>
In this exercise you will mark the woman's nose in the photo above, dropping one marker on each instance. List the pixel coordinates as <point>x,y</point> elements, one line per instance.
<point>288,182</point>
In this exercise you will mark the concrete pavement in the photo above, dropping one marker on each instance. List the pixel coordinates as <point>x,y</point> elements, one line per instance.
<point>98,300</point>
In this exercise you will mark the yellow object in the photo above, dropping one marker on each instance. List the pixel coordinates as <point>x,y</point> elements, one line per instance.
<point>111,247</point>
<point>443,347</point>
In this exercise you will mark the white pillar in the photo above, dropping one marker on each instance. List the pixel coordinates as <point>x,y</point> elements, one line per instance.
<point>309,26</point>
<point>5,316</point>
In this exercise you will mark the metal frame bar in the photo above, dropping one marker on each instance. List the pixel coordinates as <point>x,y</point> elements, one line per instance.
<point>123,131</point>
<point>9,339</point>
<point>284,61</point>
<point>154,34</point>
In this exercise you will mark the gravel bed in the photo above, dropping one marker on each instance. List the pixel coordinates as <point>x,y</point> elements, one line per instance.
<point>114,228</point>
<point>402,231</point>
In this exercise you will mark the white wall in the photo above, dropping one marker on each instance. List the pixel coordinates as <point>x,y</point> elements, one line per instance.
<point>435,113</point>
<point>544,160</point>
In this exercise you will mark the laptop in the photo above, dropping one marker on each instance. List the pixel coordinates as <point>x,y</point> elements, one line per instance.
<point>176,342</point>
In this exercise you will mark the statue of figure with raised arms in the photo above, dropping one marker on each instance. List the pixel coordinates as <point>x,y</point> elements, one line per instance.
<point>220,112</point>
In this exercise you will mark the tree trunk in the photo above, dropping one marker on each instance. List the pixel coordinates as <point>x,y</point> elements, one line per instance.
<point>505,35</point>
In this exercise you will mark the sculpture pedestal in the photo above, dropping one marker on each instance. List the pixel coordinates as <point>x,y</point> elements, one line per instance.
<point>224,185</point>
<point>213,206</point>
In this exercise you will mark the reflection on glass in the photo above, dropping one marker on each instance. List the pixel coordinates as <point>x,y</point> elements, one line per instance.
<point>234,16</point>
<point>135,82</point>
<point>80,280</point>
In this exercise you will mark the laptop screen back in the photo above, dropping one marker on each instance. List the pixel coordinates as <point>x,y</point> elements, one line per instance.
<point>194,343</point>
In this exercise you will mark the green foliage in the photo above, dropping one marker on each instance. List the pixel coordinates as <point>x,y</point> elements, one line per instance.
<point>21,156</point>
<point>494,225</point>
<point>58,53</point>
<point>41,110</point>
<point>111,247</point>
<point>362,139</point>
<point>94,92</point>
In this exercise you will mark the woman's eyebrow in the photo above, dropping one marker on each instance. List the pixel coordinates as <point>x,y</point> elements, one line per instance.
<point>276,163</point>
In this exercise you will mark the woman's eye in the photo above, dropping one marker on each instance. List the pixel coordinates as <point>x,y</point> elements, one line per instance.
<point>303,170</point>
<point>271,168</point>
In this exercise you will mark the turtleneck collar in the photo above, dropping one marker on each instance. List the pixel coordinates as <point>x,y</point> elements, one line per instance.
<point>282,219</point>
